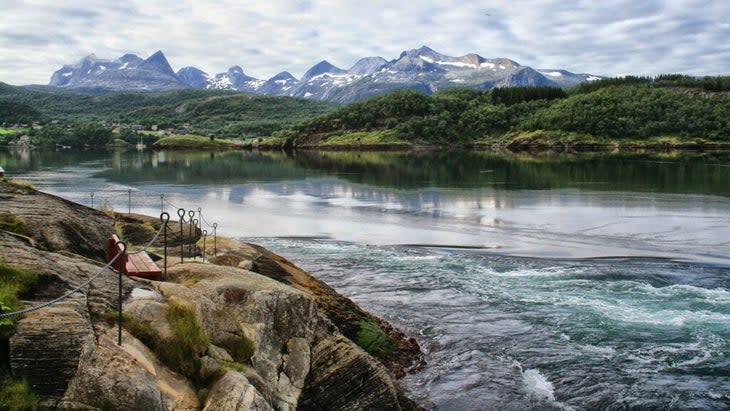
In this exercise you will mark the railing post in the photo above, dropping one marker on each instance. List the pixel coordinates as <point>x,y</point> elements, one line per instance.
<point>119,308</point>
<point>162,202</point>
<point>191,215</point>
<point>205,234</point>
<point>92,199</point>
<point>215,240</point>
<point>181,214</point>
<point>164,217</point>
<point>129,208</point>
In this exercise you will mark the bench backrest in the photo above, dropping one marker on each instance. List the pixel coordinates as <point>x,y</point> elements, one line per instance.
<point>114,248</point>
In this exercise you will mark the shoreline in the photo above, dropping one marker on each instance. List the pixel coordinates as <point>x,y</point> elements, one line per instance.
<point>242,274</point>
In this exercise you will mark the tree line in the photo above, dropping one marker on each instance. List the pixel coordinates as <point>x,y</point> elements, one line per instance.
<point>628,108</point>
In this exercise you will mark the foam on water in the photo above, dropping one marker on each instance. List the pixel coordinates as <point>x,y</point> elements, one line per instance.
<point>537,385</point>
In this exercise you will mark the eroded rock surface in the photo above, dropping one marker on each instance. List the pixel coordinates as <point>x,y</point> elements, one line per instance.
<point>270,345</point>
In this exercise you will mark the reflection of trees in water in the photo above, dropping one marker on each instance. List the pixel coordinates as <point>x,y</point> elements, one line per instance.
<point>181,167</point>
<point>680,173</point>
<point>23,160</point>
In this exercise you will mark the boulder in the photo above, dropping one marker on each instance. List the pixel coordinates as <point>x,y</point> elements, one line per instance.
<point>233,392</point>
<point>56,224</point>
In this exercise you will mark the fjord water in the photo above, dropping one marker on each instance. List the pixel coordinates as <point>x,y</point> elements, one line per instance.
<point>532,282</point>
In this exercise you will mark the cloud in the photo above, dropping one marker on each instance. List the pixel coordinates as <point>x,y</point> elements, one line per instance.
<point>265,37</point>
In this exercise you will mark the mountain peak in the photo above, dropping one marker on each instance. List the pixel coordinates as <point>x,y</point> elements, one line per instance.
<point>322,67</point>
<point>193,77</point>
<point>368,65</point>
<point>158,62</point>
<point>284,75</point>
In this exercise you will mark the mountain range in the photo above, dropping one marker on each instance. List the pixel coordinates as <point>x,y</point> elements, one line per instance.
<point>420,69</point>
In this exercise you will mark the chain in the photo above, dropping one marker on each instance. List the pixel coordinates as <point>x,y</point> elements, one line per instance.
<point>63,297</point>
<point>84,284</point>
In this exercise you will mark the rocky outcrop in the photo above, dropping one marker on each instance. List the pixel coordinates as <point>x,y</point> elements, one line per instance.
<point>56,224</point>
<point>345,314</point>
<point>268,345</point>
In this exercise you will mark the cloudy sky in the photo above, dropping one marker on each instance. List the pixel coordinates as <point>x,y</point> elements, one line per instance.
<point>611,37</point>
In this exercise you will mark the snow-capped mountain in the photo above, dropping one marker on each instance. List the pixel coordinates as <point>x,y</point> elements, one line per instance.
<point>127,73</point>
<point>419,69</point>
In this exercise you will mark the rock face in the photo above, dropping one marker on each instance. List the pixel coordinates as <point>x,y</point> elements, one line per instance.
<point>345,314</point>
<point>56,224</point>
<point>268,345</point>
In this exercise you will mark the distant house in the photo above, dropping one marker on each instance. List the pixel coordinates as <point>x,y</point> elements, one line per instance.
<point>137,127</point>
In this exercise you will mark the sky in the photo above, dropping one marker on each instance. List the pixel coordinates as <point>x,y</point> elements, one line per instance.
<point>610,37</point>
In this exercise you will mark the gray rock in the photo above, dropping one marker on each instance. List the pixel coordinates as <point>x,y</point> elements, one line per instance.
<point>127,377</point>
<point>233,392</point>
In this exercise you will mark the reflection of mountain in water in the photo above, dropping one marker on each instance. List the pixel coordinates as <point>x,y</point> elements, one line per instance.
<point>334,192</point>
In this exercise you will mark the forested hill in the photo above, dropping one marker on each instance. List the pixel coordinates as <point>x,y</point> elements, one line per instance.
<point>671,109</point>
<point>208,112</point>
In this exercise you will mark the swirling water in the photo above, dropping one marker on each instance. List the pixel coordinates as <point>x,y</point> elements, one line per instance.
<point>505,332</point>
<point>531,283</point>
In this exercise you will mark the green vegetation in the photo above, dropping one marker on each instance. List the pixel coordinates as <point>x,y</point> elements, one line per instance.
<point>14,282</point>
<point>72,134</point>
<point>18,113</point>
<point>181,352</point>
<point>233,115</point>
<point>373,339</point>
<point>17,395</point>
<point>241,349</point>
<point>191,141</point>
<point>612,111</point>
<point>621,111</point>
<point>11,222</point>
<point>190,341</point>
<point>210,113</point>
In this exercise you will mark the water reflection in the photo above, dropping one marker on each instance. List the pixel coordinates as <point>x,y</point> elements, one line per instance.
<point>671,173</point>
<point>557,206</point>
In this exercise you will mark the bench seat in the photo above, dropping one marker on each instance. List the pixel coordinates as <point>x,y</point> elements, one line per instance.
<point>138,265</point>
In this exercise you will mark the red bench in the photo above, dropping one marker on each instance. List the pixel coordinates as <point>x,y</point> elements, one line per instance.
<point>139,265</point>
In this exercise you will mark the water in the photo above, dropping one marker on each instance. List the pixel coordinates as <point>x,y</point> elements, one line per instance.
<point>546,282</point>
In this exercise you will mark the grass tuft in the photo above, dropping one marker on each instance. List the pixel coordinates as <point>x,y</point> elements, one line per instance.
<point>180,353</point>
<point>13,223</point>
<point>242,350</point>
<point>14,281</point>
<point>183,354</point>
<point>17,395</point>
<point>373,339</point>
<point>20,183</point>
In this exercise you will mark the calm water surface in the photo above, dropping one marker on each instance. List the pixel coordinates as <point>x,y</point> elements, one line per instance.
<point>532,282</point>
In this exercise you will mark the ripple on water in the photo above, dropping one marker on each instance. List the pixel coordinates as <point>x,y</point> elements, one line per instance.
<point>588,334</point>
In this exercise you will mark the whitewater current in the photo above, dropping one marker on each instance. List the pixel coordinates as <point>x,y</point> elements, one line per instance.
<point>510,333</point>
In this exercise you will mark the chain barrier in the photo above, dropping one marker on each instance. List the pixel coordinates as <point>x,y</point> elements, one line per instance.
<point>85,283</point>
<point>162,200</point>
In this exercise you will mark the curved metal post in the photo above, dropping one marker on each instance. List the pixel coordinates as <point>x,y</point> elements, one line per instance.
<point>119,308</point>
<point>92,199</point>
<point>205,234</point>
<point>129,208</point>
<point>215,240</point>
<point>164,217</point>
<point>191,221</point>
<point>181,214</point>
